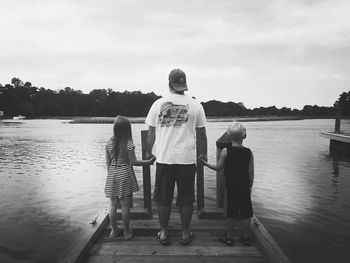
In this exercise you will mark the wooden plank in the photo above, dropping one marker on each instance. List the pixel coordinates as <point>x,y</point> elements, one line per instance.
<point>169,259</point>
<point>196,225</point>
<point>138,213</point>
<point>202,239</point>
<point>212,213</point>
<point>79,248</point>
<point>158,250</point>
<point>336,136</point>
<point>272,252</point>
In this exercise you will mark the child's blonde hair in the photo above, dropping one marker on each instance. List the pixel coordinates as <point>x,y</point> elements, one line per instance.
<point>236,131</point>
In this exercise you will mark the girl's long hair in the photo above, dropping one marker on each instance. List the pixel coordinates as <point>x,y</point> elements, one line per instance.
<point>122,134</point>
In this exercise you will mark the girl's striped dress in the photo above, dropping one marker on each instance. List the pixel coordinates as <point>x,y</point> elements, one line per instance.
<point>121,180</point>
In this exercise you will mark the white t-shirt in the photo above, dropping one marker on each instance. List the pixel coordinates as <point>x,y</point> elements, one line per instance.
<point>176,118</point>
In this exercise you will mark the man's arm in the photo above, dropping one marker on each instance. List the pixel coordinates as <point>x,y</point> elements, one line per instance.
<point>202,143</point>
<point>151,137</point>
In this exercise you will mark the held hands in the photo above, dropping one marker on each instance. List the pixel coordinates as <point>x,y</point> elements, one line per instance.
<point>203,159</point>
<point>152,160</point>
<point>150,157</point>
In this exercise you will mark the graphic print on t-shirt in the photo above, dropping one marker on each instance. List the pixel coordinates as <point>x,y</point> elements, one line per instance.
<point>173,114</point>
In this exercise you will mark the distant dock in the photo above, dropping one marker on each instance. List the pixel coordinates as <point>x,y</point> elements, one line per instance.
<point>339,140</point>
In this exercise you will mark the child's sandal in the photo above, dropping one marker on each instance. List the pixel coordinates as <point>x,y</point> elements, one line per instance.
<point>114,234</point>
<point>246,241</point>
<point>129,236</point>
<point>225,240</point>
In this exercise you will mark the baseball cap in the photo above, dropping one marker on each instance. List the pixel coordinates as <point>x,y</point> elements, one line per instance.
<point>178,80</point>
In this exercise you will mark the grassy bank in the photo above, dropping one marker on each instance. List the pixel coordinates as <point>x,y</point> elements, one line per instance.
<point>209,119</point>
<point>253,118</point>
<point>104,120</point>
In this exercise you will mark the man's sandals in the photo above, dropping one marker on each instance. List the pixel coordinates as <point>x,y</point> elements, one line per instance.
<point>165,240</point>
<point>187,240</point>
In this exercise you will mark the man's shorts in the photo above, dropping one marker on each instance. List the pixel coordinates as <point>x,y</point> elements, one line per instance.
<point>166,177</point>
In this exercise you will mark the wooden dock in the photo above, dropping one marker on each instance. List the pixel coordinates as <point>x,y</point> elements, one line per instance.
<point>93,245</point>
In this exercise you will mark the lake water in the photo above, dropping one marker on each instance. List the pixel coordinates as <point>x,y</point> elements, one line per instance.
<point>52,178</point>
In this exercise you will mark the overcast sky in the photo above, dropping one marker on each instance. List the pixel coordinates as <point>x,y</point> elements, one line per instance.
<point>260,52</point>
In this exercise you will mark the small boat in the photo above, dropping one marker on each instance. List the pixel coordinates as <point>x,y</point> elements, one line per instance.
<point>19,117</point>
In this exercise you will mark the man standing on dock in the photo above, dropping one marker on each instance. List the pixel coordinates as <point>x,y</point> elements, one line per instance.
<point>176,123</point>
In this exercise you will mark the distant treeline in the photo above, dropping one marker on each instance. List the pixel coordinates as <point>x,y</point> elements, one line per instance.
<point>19,98</point>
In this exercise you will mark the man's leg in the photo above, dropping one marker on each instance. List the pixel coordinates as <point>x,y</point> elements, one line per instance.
<point>163,195</point>
<point>164,216</point>
<point>186,217</point>
<point>185,184</point>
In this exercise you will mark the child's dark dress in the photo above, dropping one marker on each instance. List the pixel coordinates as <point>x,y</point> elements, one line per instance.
<point>239,205</point>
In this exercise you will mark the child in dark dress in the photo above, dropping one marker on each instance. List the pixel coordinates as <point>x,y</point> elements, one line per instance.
<point>238,164</point>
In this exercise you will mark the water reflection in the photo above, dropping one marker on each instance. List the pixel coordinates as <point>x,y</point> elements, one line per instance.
<point>335,172</point>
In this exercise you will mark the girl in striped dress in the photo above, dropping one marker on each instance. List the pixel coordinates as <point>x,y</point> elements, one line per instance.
<point>121,181</point>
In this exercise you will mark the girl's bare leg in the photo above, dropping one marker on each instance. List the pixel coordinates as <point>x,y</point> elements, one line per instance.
<point>126,203</point>
<point>113,214</point>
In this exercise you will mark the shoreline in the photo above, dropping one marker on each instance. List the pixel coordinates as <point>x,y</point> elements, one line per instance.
<point>108,120</point>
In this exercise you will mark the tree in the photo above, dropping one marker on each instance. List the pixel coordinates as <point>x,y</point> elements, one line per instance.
<point>344,103</point>
<point>16,82</point>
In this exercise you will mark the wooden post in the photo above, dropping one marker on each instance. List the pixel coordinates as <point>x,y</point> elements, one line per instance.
<point>146,172</point>
<point>337,118</point>
<point>221,143</point>
<point>200,188</point>
<point>200,183</point>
